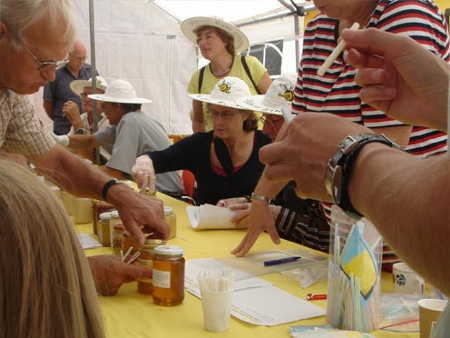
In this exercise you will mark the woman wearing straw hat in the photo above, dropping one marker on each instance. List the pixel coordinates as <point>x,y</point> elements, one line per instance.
<point>224,161</point>
<point>220,42</point>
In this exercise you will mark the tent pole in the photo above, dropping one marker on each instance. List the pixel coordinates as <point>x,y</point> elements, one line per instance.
<point>93,74</point>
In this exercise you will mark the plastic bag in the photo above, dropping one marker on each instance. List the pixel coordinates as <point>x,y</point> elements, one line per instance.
<point>354,273</point>
<point>324,332</point>
<point>309,272</point>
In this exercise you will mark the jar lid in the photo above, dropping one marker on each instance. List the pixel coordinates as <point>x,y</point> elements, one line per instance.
<point>154,242</point>
<point>169,250</point>
<point>114,213</point>
<point>104,216</point>
<point>168,210</point>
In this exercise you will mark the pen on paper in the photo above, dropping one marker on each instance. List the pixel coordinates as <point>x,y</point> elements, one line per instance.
<point>281,261</point>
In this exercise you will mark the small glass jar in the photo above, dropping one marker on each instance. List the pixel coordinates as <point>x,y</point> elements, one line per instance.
<point>104,234</point>
<point>99,208</point>
<point>145,260</point>
<point>128,242</point>
<point>168,275</point>
<point>117,238</point>
<point>171,218</point>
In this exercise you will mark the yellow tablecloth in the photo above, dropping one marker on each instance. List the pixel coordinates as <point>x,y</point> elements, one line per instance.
<point>132,315</point>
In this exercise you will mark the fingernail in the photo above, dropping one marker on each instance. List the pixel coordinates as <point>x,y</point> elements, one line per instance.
<point>378,75</point>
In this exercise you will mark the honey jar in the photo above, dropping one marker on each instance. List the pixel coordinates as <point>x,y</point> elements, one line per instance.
<point>168,275</point>
<point>104,234</point>
<point>117,238</point>
<point>171,219</point>
<point>145,260</point>
<point>99,208</point>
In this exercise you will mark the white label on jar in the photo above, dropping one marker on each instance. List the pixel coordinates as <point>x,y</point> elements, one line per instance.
<point>161,279</point>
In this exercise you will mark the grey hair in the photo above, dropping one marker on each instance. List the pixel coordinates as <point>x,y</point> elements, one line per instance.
<point>18,15</point>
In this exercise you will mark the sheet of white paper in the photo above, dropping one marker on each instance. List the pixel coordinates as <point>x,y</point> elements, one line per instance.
<point>88,242</point>
<point>273,306</point>
<point>208,216</point>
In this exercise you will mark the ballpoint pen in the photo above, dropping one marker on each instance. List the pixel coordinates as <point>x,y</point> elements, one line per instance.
<point>281,261</point>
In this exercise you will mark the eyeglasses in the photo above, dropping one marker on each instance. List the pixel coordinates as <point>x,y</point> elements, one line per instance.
<point>46,65</point>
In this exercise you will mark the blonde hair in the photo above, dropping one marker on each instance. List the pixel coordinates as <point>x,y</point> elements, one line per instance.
<point>46,287</point>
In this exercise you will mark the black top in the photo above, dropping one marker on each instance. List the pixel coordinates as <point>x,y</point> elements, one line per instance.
<point>193,153</point>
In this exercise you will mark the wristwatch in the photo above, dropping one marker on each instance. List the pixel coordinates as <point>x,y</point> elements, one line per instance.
<point>81,131</point>
<point>341,163</point>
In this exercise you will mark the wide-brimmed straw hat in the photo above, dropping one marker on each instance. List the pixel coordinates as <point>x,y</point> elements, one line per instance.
<point>78,86</point>
<point>280,94</point>
<point>189,26</point>
<point>120,91</point>
<point>229,92</point>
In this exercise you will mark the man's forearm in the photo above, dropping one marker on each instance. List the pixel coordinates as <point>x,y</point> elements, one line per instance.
<point>72,173</point>
<point>406,197</point>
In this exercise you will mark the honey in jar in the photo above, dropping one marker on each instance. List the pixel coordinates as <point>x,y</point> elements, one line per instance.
<point>168,275</point>
<point>145,260</point>
<point>171,219</point>
<point>117,238</point>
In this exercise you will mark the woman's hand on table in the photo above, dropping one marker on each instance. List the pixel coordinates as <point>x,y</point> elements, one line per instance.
<point>144,173</point>
<point>260,219</point>
<point>109,273</point>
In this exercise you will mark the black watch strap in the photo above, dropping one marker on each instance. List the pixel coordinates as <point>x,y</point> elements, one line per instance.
<point>108,186</point>
<point>347,164</point>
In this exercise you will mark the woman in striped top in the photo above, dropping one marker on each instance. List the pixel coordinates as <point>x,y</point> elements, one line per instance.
<point>336,92</point>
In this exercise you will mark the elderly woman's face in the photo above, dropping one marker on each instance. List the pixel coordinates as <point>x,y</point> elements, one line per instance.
<point>343,9</point>
<point>210,43</point>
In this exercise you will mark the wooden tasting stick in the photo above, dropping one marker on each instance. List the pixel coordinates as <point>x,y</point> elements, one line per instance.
<point>334,55</point>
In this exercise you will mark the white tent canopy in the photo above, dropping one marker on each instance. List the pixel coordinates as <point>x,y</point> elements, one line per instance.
<point>140,41</point>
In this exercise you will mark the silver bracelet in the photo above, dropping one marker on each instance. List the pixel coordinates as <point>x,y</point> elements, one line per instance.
<point>256,197</point>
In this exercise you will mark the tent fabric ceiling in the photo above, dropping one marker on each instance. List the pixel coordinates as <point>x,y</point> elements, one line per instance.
<point>238,12</point>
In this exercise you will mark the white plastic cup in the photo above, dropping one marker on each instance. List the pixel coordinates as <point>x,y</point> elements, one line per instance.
<point>216,307</point>
<point>406,280</point>
<point>429,312</point>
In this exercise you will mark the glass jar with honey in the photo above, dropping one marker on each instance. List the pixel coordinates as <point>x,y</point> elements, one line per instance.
<point>168,275</point>
<point>145,260</point>
<point>171,219</point>
<point>117,238</point>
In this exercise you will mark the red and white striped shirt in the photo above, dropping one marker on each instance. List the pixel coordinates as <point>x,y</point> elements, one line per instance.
<point>336,92</point>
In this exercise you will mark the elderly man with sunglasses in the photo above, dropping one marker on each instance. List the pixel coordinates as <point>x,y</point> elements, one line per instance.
<point>35,38</point>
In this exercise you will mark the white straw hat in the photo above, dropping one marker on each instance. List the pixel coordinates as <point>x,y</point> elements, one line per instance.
<point>279,94</point>
<point>189,26</point>
<point>229,92</point>
<point>78,86</point>
<point>120,91</point>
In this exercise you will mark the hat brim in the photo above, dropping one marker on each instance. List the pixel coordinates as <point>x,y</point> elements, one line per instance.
<point>189,26</point>
<point>77,86</point>
<point>256,104</point>
<point>105,98</point>
<point>209,99</point>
